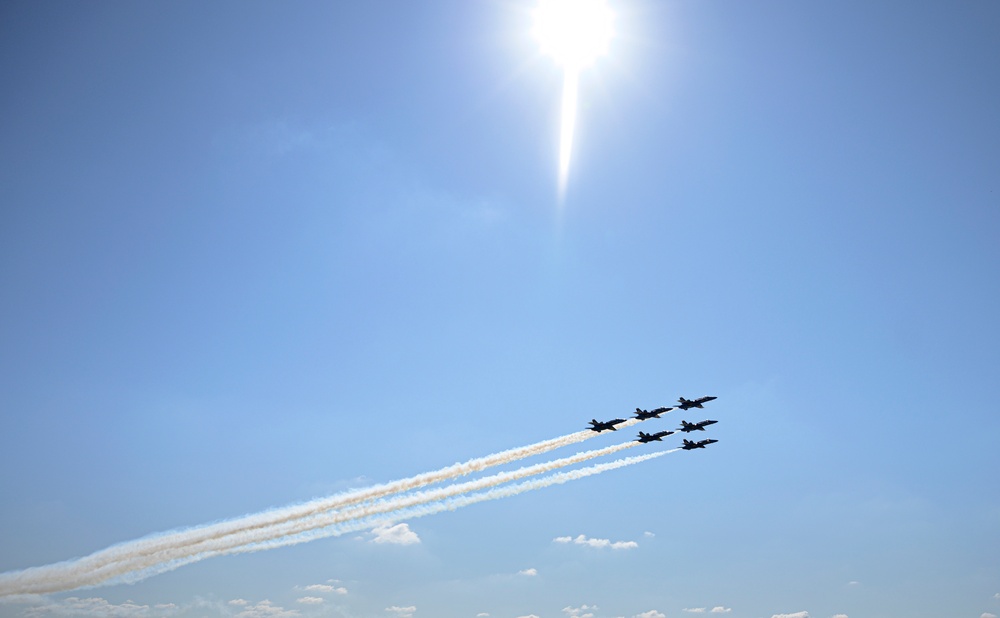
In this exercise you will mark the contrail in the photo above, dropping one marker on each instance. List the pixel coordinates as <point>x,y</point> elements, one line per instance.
<point>153,545</point>
<point>367,521</point>
<point>126,557</point>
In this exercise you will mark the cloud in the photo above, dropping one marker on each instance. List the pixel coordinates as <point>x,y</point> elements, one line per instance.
<point>96,606</point>
<point>648,534</point>
<point>840,616</point>
<point>853,583</point>
<point>584,611</point>
<point>988,615</point>
<point>400,534</point>
<point>265,609</point>
<point>402,612</point>
<point>239,602</point>
<point>482,615</point>
<point>30,599</point>
<point>997,596</point>
<point>718,609</point>
<point>528,572</point>
<point>309,600</point>
<point>600,543</point>
<point>795,615</point>
<point>651,614</point>
<point>323,588</point>
<point>695,610</point>
<point>528,616</point>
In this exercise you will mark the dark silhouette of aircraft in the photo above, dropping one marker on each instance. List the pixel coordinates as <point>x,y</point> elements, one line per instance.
<point>689,445</point>
<point>598,426</point>
<point>644,414</point>
<point>688,427</point>
<point>647,437</point>
<point>687,404</point>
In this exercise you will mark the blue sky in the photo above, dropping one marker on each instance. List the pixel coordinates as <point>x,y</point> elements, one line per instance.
<point>257,253</point>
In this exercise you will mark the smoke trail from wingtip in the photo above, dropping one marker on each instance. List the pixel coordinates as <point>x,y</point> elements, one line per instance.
<point>368,521</point>
<point>31,579</point>
<point>171,559</point>
<point>81,572</point>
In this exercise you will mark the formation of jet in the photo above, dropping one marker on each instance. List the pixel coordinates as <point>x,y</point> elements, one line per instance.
<point>687,427</point>
<point>687,404</point>
<point>644,414</point>
<point>598,426</point>
<point>649,437</point>
<point>689,445</point>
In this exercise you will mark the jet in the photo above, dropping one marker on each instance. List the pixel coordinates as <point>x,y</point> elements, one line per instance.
<point>644,414</point>
<point>647,437</point>
<point>598,426</point>
<point>686,404</point>
<point>689,445</point>
<point>688,427</point>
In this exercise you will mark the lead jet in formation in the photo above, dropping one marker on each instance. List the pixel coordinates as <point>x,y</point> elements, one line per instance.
<point>649,437</point>
<point>687,404</point>
<point>598,426</point>
<point>689,445</point>
<point>687,427</point>
<point>644,414</point>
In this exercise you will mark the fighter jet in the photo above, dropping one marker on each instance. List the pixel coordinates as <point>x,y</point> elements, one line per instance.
<point>598,426</point>
<point>687,427</point>
<point>644,414</point>
<point>647,437</point>
<point>686,404</point>
<point>689,445</point>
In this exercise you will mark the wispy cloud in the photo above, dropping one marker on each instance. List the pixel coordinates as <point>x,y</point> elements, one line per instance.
<point>265,609</point>
<point>528,616</point>
<point>584,611</point>
<point>98,607</point>
<point>402,612</point>
<point>795,615</point>
<point>695,610</point>
<point>988,615</point>
<point>400,534</point>
<point>309,600</point>
<point>600,543</point>
<point>651,614</point>
<point>840,616</point>
<point>718,609</point>
<point>528,572</point>
<point>482,615</point>
<point>323,589</point>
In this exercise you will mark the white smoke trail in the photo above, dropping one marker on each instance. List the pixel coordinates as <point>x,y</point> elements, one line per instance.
<point>371,520</point>
<point>173,558</point>
<point>158,543</point>
<point>127,557</point>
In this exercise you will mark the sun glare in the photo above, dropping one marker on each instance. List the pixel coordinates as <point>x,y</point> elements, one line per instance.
<point>574,33</point>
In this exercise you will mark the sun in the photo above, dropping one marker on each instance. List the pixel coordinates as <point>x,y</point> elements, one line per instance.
<point>574,33</point>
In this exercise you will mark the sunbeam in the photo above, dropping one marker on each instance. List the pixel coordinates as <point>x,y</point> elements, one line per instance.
<point>574,33</point>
